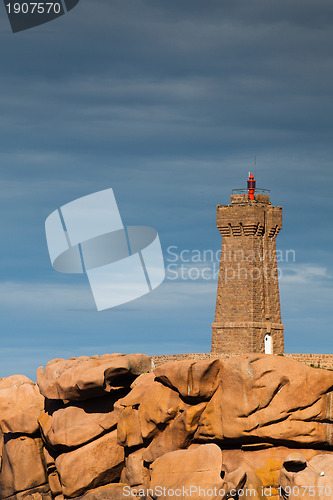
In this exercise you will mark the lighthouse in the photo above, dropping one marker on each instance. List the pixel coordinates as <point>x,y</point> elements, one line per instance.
<point>248,313</point>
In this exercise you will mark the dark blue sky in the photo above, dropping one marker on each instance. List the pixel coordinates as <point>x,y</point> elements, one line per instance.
<point>167,102</point>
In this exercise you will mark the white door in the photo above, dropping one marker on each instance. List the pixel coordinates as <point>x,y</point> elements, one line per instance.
<point>268,344</point>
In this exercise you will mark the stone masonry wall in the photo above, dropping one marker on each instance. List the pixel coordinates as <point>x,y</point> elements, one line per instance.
<point>316,360</point>
<point>241,338</point>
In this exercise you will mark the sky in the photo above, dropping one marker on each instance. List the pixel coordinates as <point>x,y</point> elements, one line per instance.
<point>168,102</point>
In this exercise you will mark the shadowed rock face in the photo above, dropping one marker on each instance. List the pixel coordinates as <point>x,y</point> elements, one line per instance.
<point>108,428</point>
<point>67,426</point>
<point>77,379</point>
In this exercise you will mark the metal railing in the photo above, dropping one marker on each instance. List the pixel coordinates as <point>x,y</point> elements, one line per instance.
<point>245,191</point>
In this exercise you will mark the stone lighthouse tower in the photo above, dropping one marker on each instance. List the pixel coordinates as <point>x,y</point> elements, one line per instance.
<point>248,315</point>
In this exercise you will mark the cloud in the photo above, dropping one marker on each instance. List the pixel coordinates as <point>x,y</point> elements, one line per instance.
<point>306,292</point>
<point>42,297</point>
<point>189,289</point>
<point>46,297</point>
<point>305,274</point>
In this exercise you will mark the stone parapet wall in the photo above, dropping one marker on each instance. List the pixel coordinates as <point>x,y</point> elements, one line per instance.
<point>164,358</point>
<point>317,360</point>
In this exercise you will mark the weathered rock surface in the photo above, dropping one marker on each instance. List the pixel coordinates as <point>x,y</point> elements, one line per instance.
<point>83,378</point>
<point>185,469</point>
<point>113,429</point>
<point>138,389</point>
<point>196,473</point>
<point>20,405</point>
<point>177,435</point>
<point>22,466</point>
<point>271,399</point>
<point>135,473</point>
<point>264,462</point>
<point>156,406</point>
<point>39,493</point>
<point>307,480</point>
<point>95,464</point>
<point>77,423</point>
<point>128,428</point>
<point>116,491</point>
<point>1,447</point>
<point>52,473</point>
<point>192,379</point>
